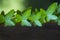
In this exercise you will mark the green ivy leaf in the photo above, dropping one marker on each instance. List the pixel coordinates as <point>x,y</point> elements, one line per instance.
<point>43,15</point>
<point>51,17</point>
<point>26,14</point>
<point>52,8</point>
<point>8,18</point>
<point>26,23</point>
<point>37,16</point>
<point>38,23</point>
<point>9,23</point>
<point>17,18</point>
<point>10,14</point>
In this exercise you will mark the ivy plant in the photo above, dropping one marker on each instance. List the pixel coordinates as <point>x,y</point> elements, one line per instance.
<point>28,18</point>
<point>58,14</point>
<point>8,18</point>
<point>50,11</point>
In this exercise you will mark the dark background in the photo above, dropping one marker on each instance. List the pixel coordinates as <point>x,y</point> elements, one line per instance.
<point>40,3</point>
<point>49,31</point>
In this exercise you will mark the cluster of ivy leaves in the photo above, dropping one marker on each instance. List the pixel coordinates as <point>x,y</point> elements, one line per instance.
<point>26,18</point>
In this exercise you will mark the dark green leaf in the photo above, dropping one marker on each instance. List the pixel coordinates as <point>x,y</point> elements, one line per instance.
<point>2,13</point>
<point>19,12</point>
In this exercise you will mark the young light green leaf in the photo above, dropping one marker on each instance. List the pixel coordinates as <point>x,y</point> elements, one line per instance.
<point>9,23</point>
<point>25,16</point>
<point>8,18</point>
<point>38,23</point>
<point>52,8</point>
<point>43,15</point>
<point>26,23</point>
<point>51,17</point>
